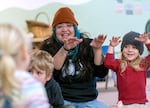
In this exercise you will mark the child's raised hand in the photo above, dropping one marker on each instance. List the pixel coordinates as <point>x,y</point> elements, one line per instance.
<point>143,38</point>
<point>115,41</point>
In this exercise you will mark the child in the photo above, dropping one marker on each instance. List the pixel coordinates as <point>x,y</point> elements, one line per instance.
<point>17,86</point>
<point>41,66</point>
<point>130,69</point>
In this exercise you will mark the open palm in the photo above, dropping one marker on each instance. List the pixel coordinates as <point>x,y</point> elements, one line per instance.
<point>115,41</point>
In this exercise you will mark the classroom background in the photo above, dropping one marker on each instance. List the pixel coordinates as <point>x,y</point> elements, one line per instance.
<point>111,17</point>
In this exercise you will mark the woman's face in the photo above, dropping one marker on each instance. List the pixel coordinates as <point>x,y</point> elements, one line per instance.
<point>64,30</point>
<point>130,52</point>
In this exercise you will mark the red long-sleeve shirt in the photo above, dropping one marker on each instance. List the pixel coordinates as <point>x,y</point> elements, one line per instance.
<point>131,84</point>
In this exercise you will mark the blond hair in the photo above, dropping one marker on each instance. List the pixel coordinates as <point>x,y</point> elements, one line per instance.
<point>42,60</point>
<point>11,42</point>
<point>134,64</point>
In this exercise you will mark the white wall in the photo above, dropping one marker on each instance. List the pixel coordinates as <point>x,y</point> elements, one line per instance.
<point>95,17</point>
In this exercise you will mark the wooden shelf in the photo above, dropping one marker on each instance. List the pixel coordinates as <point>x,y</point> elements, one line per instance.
<point>36,40</point>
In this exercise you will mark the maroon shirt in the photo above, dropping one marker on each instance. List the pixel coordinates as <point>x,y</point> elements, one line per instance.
<point>131,84</point>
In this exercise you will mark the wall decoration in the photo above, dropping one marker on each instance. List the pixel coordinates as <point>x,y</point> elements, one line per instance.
<point>129,9</point>
<point>132,7</point>
<point>119,8</point>
<point>120,1</point>
<point>146,7</point>
<point>138,9</point>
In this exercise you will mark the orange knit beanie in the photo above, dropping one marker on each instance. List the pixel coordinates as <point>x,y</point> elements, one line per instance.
<point>64,15</point>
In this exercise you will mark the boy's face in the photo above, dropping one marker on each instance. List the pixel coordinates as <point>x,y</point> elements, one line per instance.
<point>40,75</point>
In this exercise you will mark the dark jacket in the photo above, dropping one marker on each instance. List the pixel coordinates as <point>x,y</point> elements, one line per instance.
<point>80,86</point>
<point>54,94</point>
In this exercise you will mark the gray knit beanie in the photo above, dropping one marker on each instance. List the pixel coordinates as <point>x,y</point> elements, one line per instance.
<point>129,38</point>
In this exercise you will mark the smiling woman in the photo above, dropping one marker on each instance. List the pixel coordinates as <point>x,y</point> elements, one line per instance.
<point>78,59</point>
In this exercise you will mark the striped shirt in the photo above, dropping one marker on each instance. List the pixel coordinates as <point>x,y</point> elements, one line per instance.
<point>33,94</point>
<point>32,91</point>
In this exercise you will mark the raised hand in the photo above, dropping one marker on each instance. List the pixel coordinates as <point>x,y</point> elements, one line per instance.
<point>143,38</point>
<point>71,43</point>
<point>114,41</point>
<point>98,41</point>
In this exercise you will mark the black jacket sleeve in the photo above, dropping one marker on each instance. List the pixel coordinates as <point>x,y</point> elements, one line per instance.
<point>101,71</point>
<point>54,94</point>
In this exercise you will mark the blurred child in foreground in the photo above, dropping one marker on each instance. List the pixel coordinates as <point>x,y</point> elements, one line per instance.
<point>18,89</point>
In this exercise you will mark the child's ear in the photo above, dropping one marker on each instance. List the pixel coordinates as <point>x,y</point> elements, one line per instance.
<point>49,76</point>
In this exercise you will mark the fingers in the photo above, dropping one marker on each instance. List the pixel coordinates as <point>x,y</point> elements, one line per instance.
<point>101,38</point>
<point>143,38</point>
<point>77,41</point>
<point>116,38</point>
<point>72,42</point>
<point>115,41</point>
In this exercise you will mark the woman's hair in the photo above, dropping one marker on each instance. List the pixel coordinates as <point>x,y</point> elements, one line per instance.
<point>42,60</point>
<point>12,40</point>
<point>134,64</point>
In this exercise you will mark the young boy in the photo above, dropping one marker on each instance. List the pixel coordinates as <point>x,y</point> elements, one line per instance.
<point>41,66</point>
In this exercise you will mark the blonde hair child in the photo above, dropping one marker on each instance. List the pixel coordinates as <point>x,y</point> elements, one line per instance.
<point>16,84</point>
<point>131,68</point>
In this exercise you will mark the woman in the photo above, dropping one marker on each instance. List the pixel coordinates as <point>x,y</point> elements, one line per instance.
<point>77,60</point>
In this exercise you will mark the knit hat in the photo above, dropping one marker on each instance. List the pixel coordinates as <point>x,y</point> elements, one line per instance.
<point>129,38</point>
<point>64,15</point>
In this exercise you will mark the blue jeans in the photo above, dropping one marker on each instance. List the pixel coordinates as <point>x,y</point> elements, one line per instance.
<point>89,104</point>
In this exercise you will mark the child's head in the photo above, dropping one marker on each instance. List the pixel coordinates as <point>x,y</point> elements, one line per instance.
<point>129,39</point>
<point>131,50</point>
<point>41,65</point>
<point>13,55</point>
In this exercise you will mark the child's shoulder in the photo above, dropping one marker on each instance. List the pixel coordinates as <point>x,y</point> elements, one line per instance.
<point>27,79</point>
<point>52,84</point>
<point>23,75</point>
